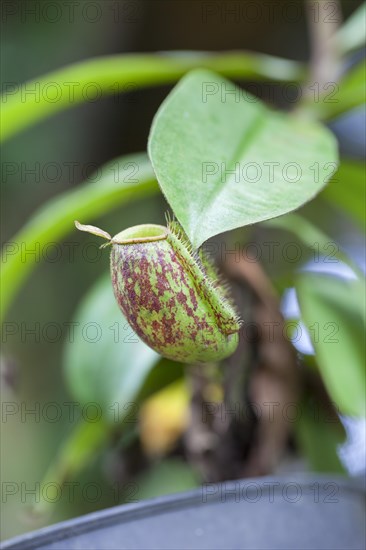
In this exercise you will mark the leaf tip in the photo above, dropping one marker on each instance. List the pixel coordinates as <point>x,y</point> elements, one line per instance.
<point>93,230</point>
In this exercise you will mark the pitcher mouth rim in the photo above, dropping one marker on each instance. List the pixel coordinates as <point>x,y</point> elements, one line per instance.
<point>144,233</point>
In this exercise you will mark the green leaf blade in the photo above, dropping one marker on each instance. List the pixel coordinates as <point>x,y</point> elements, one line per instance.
<point>352,33</point>
<point>347,191</point>
<point>110,366</point>
<point>329,309</point>
<point>55,219</point>
<point>239,161</point>
<point>115,74</point>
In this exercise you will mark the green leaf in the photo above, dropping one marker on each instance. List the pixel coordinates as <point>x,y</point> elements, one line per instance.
<point>352,33</point>
<point>167,477</point>
<point>109,374</point>
<point>162,374</point>
<point>319,439</point>
<point>313,237</point>
<point>83,442</point>
<point>304,230</point>
<point>206,129</point>
<point>350,94</point>
<point>330,310</point>
<point>114,187</point>
<point>111,75</point>
<point>77,451</point>
<point>347,191</point>
<point>106,363</point>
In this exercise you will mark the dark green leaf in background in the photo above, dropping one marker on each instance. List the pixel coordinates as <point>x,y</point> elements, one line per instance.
<point>166,477</point>
<point>330,308</point>
<point>352,33</point>
<point>121,180</point>
<point>348,94</point>
<point>348,191</point>
<point>319,438</point>
<point>106,363</point>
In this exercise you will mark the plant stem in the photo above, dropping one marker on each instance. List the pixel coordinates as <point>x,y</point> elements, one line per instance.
<point>325,62</point>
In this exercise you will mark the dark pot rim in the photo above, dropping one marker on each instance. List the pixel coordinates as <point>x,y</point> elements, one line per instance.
<point>124,513</point>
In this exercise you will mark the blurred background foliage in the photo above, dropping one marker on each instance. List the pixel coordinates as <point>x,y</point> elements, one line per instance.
<point>147,456</point>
